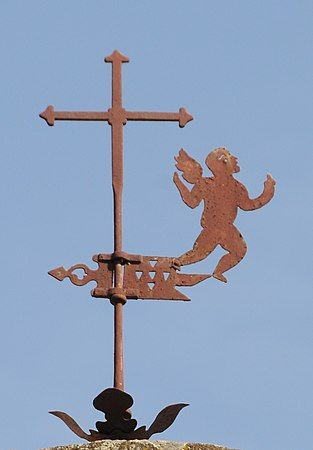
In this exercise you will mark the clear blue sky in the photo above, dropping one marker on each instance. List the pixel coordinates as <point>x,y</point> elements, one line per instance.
<point>241,353</point>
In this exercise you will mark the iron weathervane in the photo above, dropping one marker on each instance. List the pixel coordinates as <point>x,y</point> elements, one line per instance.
<point>121,276</point>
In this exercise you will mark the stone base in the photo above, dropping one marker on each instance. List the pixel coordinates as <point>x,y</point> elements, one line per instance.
<point>139,445</point>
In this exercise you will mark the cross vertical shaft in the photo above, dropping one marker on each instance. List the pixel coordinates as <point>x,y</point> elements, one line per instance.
<point>117,185</point>
<point>117,121</point>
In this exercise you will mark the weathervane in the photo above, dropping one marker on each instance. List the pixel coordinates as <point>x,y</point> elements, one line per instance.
<point>121,276</point>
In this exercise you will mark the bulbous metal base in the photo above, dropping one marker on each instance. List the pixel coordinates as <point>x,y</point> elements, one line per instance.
<point>116,404</point>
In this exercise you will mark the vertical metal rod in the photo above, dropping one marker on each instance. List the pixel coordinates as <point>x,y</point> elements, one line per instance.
<point>118,335</point>
<point>116,123</point>
<point>117,184</point>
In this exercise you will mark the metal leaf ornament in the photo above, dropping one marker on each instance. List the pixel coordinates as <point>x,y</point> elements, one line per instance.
<point>115,405</point>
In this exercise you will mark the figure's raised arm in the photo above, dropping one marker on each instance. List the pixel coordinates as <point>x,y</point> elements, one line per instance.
<point>248,204</point>
<point>191,172</point>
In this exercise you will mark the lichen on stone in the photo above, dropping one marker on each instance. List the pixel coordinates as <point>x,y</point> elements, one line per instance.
<point>139,445</point>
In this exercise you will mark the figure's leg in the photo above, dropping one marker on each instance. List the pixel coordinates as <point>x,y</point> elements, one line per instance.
<point>204,245</point>
<point>237,248</point>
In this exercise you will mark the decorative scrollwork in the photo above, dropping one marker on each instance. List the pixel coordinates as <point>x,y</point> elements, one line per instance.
<point>60,273</point>
<point>103,276</point>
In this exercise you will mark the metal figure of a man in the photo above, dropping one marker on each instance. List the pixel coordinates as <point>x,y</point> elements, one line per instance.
<point>222,195</point>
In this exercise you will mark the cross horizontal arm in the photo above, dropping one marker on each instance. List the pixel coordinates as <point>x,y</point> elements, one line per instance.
<point>50,115</point>
<point>183,117</point>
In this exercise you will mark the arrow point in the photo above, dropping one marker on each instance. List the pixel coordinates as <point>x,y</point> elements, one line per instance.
<point>116,56</point>
<point>59,273</point>
<point>184,117</point>
<point>48,115</point>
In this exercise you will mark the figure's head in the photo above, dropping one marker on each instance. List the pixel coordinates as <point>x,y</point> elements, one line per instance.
<point>220,161</point>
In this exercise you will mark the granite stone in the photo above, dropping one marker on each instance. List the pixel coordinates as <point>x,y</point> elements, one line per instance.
<point>139,445</point>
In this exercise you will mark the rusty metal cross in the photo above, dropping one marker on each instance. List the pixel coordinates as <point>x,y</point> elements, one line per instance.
<point>117,117</point>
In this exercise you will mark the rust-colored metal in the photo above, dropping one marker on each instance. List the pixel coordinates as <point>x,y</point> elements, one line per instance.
<point>145,277</point>
<point>222,195</point>
<point>121,276</point>
<point>114,277</point>
<point>117,117</point>
<point>103,276</point>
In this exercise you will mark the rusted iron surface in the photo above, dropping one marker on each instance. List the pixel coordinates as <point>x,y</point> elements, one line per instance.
<point>156,278</point>
<point>103,275</point>
<point>144,277</point>
<point>121,276</point>
<point>115,277</point>
<point>50,116</point>
<point>117,117</point>
<point>222,195</point>
<point>116,404</point>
